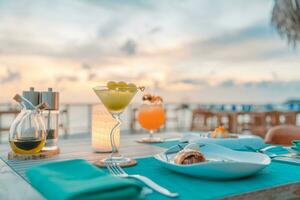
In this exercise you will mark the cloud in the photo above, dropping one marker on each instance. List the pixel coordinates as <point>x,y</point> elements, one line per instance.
<point>92,76</point>
<point>129,47</point>
<point>274,75</point>
<point>228,83</point>
<point>10,76</point>
<point>275,85</point>
<point>264,85</point>
<point>152,42</point>
<point>66,78</point>
<point>256,30</point>
<point>110,28</point>
<point>254,43</point>
<point>86,66</point>
<point>190,81</point>
<point>267,85</point>
<point>155,30</point>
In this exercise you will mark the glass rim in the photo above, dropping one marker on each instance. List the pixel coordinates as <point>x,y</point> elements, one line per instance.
<point>148,103</point>
<point>104,87</point>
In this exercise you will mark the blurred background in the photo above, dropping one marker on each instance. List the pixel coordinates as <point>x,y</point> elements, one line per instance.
<point>220,57</point>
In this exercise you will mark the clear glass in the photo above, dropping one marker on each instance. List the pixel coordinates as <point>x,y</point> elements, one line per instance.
<point>115,101</point>
<point>51,118</point>
<point>151,116</point>
<point>27,133</point>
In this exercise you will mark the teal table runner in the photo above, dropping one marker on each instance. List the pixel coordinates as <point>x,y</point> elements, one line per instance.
<point>194,188</point>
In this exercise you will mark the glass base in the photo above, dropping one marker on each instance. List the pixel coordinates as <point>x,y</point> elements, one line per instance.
<point>120,160</point>
<point>151,140</point>
<point>50,148</point>
<point>96,150</point>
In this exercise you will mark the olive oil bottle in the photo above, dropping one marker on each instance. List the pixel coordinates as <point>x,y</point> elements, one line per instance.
<point>27,134</point>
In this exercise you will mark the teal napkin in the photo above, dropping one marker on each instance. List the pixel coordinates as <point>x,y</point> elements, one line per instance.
<point>278,150</point>
<point>296,143</point>
<point>77,180</point>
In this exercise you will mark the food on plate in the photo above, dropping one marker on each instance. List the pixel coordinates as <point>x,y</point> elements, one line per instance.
<point>188,157</point>
<point>220,132</point>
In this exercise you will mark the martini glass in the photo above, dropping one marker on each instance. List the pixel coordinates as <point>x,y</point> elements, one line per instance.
<point>116,99</point>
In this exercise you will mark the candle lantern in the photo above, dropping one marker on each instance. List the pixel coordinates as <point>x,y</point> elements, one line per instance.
<point>102,123</point>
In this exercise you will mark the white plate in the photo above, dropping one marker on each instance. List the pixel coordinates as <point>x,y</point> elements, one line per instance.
<point>222,162</point>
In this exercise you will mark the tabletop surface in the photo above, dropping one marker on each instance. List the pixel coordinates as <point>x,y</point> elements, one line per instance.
<point>15,187</point>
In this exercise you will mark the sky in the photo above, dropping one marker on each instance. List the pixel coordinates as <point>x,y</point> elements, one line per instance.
<point>206,51</point>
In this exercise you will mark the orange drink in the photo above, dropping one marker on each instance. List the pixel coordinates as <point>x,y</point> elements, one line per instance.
<point>151,117</point>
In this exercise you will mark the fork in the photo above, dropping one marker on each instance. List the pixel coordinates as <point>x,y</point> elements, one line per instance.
<point>262,150</point>
<point>116,170</point>
<point>271,155</point>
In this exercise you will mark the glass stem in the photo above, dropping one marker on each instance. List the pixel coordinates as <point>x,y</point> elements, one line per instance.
<point>151,134</point>
<point>112,134</point>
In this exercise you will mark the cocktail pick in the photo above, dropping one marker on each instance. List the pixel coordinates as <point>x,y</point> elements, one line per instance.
<point>142,88</point>
<point>18,98</point>
<point>42,106</point>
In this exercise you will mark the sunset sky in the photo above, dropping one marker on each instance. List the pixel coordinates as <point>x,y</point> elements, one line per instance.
<point>188,51</point>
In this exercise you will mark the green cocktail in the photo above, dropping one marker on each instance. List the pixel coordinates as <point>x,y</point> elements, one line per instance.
<point>115,100</point>
<point>116,97</point>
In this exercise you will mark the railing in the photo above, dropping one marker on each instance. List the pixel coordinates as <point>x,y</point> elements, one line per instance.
<point>6,113</point>
<point>77,117</point>
<point>67,124</point>
<point>255,122</point>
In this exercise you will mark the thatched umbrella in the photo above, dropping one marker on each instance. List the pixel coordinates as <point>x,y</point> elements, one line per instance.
<point>286,19</point>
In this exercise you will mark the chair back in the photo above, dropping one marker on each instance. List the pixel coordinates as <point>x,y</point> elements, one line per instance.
<point>203,120</point>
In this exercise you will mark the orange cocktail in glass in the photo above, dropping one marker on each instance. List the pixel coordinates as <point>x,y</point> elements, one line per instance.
<point>151,116</point>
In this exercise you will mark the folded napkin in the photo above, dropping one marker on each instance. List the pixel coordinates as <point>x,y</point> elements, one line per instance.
<point>296,142</point>
<point>240,143</point>
<point>296,146</point>
<point>277,150</point>
<point>77,180</point>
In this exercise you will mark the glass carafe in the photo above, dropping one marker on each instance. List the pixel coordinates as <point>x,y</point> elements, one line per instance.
<point>27,133</point>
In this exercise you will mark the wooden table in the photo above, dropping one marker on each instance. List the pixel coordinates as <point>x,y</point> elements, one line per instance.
<point>13,187</point>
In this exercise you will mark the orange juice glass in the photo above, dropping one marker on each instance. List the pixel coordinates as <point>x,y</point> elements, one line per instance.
<point>151,116</point>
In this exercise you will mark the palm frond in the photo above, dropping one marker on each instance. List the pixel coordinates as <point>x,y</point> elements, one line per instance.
<point>286,19</point>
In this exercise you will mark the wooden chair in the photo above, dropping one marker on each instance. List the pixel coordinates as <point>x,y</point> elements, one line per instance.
<point>288,118</point>
<point>172,117</point>
<point>203,120</point>
<point>283,134</point>
<point>261,122</point>
<point>257,124</point>
<point>272,119</point>
<point>228,120</point>
<point>244,122</point>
